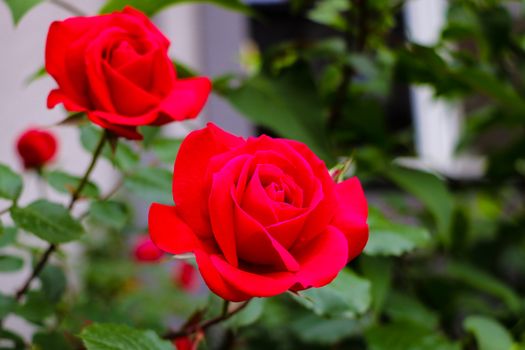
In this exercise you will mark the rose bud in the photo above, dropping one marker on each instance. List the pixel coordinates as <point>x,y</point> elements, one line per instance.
<point>116,69</point>
<point>145,251</point>
<point>36,148</point>
<point>262,215</point>
<point>185,276</point>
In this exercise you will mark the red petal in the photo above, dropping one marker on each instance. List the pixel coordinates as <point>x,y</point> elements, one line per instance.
<point>321,259</point>
<point>190,191</point>
<point>351,215</point>
<point>257,285</point>
<point>215,281</point>
<point>168,231</point>
<point>187,98</point>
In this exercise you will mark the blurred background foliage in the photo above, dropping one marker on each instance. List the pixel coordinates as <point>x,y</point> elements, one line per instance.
<point>445,264</point>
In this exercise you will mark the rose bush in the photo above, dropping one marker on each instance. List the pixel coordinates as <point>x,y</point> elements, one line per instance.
<point>36,148</point>
<point>262,215</point>
<point>116,69</point>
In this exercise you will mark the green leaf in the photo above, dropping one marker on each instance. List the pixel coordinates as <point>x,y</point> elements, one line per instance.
<point>36,307</point>
<point>378,271</point>
<point>110,213</point>
<point>431,191</point>
<point>406,336</point>
<point>317,330</point>
<point>330,13</point>
<point>8,236</point>
<point>149,133</point>
<point>481,280</point>
<point>50,221</point>
<point>53,282</point>
<point>53,340</point>
<point>489,333</point>
<point>152,7</point>
<point>288,104</point>
<point>10,183</point>
<point>152,184</point>
<point>16,340</point>
<point>121,337</point>
<point>347,296</point>
<point>124,157</point>
<point>166,149</point>
<point>66,183</point>
<point>7,305</point>
<point>401,307</point>
<point>388,238</point>
<point>9,263</point>
<point>19,8</point>
<point>249,314</point>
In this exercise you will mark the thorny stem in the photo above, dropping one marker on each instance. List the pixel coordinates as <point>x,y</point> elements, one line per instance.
<point>74,197</point>
<point>206,324</point>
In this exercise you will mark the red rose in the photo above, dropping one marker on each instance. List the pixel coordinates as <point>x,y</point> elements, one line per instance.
<point>262,215</point>
<point>116,69</point>
<point>36,148</point>
<point>185,276</point>
<point>146,251</point>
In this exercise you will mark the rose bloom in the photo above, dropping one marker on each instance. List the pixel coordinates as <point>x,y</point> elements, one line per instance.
<point>145,251</point>
<point>36,148</point>
<point>185,276</point>
<point>116,69</point>
<point>262,215</point>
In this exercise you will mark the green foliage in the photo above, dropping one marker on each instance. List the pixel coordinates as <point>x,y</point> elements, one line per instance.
<point>431,191</point>
<point>123,157</point>
<point>152,184</point>
<point>54,283</point>
<point>288,104</point>
<point>152,7</point>
<point>121,337</point>
<point>51,340</point>
<point>166,149</point>
<point>10,183</point>
<point>407,336</point>
<point>66,183</point>
<point>346,296</point>
<point>19,8</point>
<point>9,263</point>
<point>389,238</point>
<point>51,222</point>
<point>7,305</point>
<point>110,213</point>
<point>7,236</point>
<point>489,333</point>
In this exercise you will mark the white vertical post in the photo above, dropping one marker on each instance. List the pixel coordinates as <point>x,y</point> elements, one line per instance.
<point>437,122</point>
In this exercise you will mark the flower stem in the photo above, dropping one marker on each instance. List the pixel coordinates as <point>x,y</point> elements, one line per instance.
<point>206,324</point>
<point>74,197</point>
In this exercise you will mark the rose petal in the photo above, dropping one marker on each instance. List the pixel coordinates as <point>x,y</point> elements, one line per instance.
<point>351,215</point>
<point>221,207</point>
<point>168,231</point>
<point>215,281</point>
<point>128,98</point>
<point>253,284</point>
<point>187,98</point>
<point>189,186</point>
<point>321,259</point>
<point>129,132</point>
<point>255,245</point>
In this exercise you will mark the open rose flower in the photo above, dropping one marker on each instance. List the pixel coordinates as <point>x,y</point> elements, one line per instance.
<point>116,69</point>
<point>36,148</point>
<point>262,215</point>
